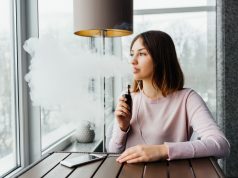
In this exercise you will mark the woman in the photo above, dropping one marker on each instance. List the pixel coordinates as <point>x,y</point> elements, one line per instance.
<point>164,114</point>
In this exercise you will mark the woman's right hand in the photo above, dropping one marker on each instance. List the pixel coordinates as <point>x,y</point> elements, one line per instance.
<point>123,114</point>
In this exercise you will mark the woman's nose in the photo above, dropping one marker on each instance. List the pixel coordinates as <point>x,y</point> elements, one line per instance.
<point>133,60</point>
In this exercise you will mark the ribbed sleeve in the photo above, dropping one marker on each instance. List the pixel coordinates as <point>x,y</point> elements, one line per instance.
<point>212,141</point>
<point>118,140</point>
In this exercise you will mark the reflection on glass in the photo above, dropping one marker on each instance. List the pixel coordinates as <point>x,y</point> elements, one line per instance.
<point>194,36</point>
<point>8,151</point>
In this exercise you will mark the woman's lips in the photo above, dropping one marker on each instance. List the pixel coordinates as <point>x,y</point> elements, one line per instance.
<point>135,70</point>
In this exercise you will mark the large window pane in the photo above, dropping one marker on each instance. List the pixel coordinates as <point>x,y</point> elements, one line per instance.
<point>56,21</point>
<point>8,140</point>
<point>194,36</point>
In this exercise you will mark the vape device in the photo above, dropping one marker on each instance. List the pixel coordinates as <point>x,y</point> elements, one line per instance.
<point>128,98</point>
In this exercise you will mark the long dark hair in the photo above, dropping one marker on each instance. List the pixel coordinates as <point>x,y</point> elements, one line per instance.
<point>168,76</point>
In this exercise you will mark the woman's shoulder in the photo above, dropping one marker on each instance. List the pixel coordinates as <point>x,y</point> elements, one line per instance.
<point>186,93</point>
<point>183,92</point>
<point>190,95</point>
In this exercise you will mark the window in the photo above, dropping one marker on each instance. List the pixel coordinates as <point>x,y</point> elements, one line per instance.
<point>194,35</point>
<point>56,22</point>
<point>9,147</point>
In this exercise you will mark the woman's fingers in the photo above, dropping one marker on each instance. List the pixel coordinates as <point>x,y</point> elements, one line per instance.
<point>122,102</point>
<point>144,153</point>
<point>120,113</point>
<point>122,109</point>
<point>122,98</point>
<point>136,160</point>
<point>129,157</point>
<point>126,154</point>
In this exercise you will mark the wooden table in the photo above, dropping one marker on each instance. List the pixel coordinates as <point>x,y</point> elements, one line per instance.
<point>49,166</point>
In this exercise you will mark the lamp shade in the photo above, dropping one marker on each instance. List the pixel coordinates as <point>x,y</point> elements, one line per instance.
<point>113,17</point>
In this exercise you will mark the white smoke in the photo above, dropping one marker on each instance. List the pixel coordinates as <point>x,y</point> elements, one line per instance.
<point>59,76</point>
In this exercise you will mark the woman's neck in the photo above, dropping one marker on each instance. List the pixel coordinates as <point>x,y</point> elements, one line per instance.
<point>150,91</point>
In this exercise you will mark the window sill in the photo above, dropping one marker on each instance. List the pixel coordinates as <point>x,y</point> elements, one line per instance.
<point>84,147</point>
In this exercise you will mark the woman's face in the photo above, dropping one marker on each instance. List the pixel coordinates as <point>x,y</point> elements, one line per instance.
<point>141,61</point>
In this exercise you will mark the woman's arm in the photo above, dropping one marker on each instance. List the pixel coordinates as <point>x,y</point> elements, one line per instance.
<point>117,142</point>
<point>212,141</point>
<point>121,127</point>
<point>144,153</point>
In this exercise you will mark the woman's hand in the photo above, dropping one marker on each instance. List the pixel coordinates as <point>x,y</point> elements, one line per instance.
<point>123,114</point>
<point>144,153</point>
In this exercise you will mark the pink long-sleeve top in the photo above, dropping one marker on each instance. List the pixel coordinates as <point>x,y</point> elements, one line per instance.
<point>172,120</point>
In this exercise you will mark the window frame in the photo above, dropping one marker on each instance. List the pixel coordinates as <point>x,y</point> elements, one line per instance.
<point>15,85</point>
<point>23,14</point>
<point>20,92</point>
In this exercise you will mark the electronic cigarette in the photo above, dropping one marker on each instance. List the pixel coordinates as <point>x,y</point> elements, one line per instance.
<point>128,98</point>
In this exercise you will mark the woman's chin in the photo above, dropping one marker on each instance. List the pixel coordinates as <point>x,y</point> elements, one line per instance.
<point>136,77</point>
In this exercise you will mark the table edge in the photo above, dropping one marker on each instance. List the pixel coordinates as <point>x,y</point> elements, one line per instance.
<point>217,167</point>
<point>32,165</point>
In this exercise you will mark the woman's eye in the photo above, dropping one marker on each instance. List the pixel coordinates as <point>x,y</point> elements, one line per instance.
<point>142,54</point>
<point>131,54</point>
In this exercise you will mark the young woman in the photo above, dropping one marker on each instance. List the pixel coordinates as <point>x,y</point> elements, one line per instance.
<point>164,114</point>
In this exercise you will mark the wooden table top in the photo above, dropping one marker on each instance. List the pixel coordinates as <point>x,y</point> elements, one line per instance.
<point>50,166</point>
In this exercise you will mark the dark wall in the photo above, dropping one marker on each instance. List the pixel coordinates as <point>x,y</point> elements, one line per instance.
<point>227,78</point>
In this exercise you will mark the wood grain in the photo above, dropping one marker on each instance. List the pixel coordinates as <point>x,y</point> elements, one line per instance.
<point>156,170</point>
<point>109,169</point>
<point>44,166</point>
<point>132,170</point>
<point>180,169</point>
<point>61,171</point>
<point>203,167</point>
